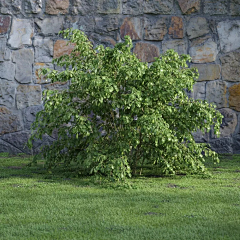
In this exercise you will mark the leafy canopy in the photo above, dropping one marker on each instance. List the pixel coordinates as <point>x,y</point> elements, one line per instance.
<point>118,112</point>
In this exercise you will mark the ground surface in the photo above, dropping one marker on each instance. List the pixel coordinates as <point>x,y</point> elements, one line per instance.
<point>37,205</point>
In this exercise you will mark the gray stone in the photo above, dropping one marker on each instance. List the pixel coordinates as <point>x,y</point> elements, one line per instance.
<point>7,70</point>
<point>106,24</point>
<point>7,94</point>
<point>229,35</point>
<point>86,24</point>
<point>29,115</point>
<point>203,51</point>
<point>24,59</point>
<point>83,7</point>
<point>28,95</point>
<point>207,72</point>
<point>18,140</point>
<point>40,79</point>
<point>236,144</point>
<point>235,7</point>
<point>33,6</point>
<point>199,91</point>
<point>21,33</point>
<point>50,26</point>
<point>189,6</point>
<point>197,27</point>
<point>216,93</point>
<point>10,121</point>
<point>132,7</point>
<point>43,49</point>
<point>56,86</point>
<point>8,148</point>
<point>222,145</point>
<point>200,137</point>
<point>215,7</point>
<point>229,123</point>
<point>108,6</point>
<point>39,144</point>
<point>230,66</point>
<point>7,54</point>
<point>3,42</point>
<point>17,5</point>
<point>158,6</point>
<point>155,30</point>
<point>179,46</point>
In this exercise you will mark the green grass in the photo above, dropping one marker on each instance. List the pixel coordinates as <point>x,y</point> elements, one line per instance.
<point>37,205</point>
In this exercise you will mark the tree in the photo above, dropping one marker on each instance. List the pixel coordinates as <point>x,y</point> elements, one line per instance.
<point>119,112</point>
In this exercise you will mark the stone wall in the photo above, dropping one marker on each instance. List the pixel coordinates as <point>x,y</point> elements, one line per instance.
<point>208,30</point>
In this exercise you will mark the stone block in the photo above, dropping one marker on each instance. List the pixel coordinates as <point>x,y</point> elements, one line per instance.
<point>21,33</point>
<point>179,46</point>
<point>146,52</point>
<point>189,6</point>
<point>230,66</point>
<point>39,144</point>
<point>83,7</point>
<point>155,29</point>
<point>5,22</point>
<point>33,6</point>
<point>8,148</point>
<point>28,95</point>
<point>16,5</point>
<point>61,48</point>
<point>215,7</point>
<point>56,86</point>
<point>234,97</point>
<point>29,115</point>
<point>197,27</point>
<point>7,54</point>
<point>200,137</point>
<point>7,94</point>
<point>40,79</point>
<point>86,24</point>
<point>50,26</point>
<point>222,145</point>
<point>158,6</point>
<point>216,93</point>
<point>132,7</point>
<point>24,59</point>
<point>207,72</point>
<point>236,144</point>
<point>10,121</point>
<point>108,6</point>
<point>107,25</point>
<point>203,52</point>
<point>97,39</point>
<point>54,7</point>
<point>3,45</point>
<point>43,49</point>
<point>176,27</point>
<point>199,91</point>
<point>7,70</point>
<point>18,140</point>
<point>235,7</point>
<point>229,35</point>
<point>229,123</point>
<point>131,27</point>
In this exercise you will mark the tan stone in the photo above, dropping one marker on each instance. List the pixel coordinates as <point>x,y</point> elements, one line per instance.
<point>61,48</point>
<point>55,7</point>
<point>146,52</point>
<point>176,27</point>
<point>230,66</point>
<point>155,30</point>
<point>216,93</point>
<point>207,72</point>
<point>5,22</point>
<point>204,52</point>
<point>40,79</point>
<point>189,6</point>
<point>234,97</point>
<point>131,27</point>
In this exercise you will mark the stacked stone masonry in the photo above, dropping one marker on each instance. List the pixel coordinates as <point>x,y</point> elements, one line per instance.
<point>208,30</point>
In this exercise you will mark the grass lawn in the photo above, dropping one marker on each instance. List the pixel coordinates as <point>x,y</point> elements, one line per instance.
<point>37,205</point>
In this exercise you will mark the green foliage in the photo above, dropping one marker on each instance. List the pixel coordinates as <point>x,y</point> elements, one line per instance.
<point>119,112</point>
